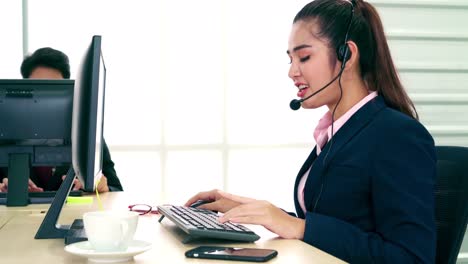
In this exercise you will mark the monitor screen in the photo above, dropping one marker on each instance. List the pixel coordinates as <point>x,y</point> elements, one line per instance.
<point>35,130</point>
<point>88,116</point>
<point>86,139</point>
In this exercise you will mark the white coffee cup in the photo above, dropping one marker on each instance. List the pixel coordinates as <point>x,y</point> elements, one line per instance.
<point>110,231</point>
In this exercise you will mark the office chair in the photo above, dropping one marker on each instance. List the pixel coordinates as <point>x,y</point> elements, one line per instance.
<point>451,201</point>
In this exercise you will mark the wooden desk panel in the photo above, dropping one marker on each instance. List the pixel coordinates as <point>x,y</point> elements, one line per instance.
<point>17,243</point>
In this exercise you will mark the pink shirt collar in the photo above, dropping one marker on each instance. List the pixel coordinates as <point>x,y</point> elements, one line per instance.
<point>323,131</point>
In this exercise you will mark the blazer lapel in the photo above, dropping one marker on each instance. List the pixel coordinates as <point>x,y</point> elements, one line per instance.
<point>359,120</point>
<point>304,168</point>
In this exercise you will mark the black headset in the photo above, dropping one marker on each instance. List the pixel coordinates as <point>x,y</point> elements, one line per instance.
<point>343,53</point>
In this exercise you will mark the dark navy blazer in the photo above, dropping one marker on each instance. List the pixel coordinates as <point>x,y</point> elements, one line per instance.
<point>377,200</point>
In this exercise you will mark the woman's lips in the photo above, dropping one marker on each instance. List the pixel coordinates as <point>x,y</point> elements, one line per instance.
<point>302,92</point>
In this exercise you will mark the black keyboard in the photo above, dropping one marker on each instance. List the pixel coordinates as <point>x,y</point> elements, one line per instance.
<point>45,194</point>
<point>201,223</point>
<point>40,197</point>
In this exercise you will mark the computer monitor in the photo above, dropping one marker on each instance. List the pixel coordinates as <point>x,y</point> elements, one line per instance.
<point>88,117</point>
<point>35,130</point>
<point>87,129</point>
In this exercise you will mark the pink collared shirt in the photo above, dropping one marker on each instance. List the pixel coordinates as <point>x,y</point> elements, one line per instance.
<point>322,134</point>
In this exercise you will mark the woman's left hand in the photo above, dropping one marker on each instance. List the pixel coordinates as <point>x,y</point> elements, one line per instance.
<point>266,214</point>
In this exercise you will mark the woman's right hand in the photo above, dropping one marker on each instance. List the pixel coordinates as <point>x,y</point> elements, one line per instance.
<point>216,202</point>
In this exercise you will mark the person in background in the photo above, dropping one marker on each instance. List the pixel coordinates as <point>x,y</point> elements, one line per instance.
<point>365,194</point>
<point>48,63</point>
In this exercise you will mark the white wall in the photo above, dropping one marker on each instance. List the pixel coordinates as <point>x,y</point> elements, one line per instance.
<point>11,51</point>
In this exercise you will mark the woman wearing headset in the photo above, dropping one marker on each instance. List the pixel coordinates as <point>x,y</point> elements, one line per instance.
<point>365,193</point>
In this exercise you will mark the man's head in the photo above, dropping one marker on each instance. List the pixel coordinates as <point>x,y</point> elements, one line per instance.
<point>46,63</point>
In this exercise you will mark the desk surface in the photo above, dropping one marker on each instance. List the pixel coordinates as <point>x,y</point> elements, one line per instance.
<point>18,225</point>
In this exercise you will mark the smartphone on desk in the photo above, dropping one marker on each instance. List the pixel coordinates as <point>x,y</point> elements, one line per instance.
<point>232,253</point>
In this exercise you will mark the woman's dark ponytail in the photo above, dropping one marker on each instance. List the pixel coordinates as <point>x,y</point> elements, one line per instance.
<point>383,76</point>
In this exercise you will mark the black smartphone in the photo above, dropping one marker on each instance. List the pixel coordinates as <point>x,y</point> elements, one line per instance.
<point>232,253</point>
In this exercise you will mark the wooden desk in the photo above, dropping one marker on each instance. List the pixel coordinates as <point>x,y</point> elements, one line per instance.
<point>17,243</point>
<point>8,213</point>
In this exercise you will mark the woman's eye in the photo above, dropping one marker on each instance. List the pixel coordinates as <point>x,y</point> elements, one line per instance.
<point>304,59</point>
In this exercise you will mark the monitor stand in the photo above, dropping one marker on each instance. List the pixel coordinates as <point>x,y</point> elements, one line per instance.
<point>18,176</point>
<point>49,227</point>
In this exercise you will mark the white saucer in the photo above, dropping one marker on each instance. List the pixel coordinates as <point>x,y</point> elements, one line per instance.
<point>85,249</point>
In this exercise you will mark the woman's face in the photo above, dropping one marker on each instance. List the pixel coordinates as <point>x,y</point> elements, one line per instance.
<point>311,66</point>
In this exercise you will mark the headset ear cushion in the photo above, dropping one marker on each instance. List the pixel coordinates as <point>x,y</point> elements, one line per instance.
<point>342,50</point>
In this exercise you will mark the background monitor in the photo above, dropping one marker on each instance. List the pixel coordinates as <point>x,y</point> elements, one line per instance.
<point>35,130</point>
<point>87,129</point>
